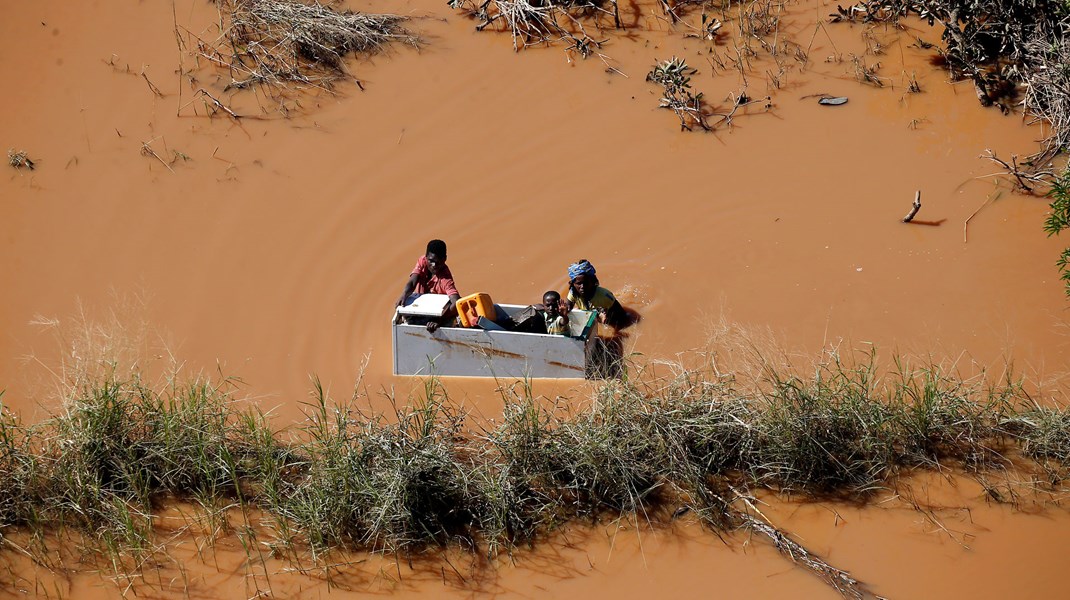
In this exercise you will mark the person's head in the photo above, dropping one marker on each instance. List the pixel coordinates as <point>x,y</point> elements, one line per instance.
<point>552,301</point>
<point>582,278</point>
<point>436,255</point>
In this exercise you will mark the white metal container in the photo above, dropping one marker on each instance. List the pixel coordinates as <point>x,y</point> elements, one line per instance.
<point>475,352</point>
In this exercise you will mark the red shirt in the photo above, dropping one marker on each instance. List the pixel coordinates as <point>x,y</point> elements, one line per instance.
<point>426,283</point>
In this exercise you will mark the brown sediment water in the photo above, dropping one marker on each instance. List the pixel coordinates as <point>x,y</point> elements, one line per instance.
<point>278,249</point>
<point>957,546</point>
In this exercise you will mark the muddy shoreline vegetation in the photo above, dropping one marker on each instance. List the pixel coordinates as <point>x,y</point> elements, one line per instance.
<point>669,442</point>
<point>1014,52</point>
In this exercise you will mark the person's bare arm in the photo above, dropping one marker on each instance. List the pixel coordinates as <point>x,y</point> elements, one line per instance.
<point>448,316</point>
<point>410,285</point>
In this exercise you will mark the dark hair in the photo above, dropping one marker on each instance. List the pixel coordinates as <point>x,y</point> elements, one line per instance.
<point>437,247</point>
<point>556,295</point>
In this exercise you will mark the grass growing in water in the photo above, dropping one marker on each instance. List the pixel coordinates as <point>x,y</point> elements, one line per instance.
<point>424,476</point>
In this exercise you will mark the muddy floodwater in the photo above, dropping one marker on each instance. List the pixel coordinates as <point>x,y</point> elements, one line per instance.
<point>273,248</point>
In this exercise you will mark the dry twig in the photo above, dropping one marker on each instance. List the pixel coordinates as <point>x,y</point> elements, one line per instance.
<point>915,208</point>
<point>1023,176</point>
<point>146,150</point>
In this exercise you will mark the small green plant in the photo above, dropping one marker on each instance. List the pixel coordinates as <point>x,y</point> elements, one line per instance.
<point>1058,220</point>
<point>674,75</point>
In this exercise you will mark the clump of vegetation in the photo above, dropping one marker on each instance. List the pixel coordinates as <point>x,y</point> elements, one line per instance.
<point>369,482</point>
<point>1044,434</point>
<point>119,449</point>
<point>1058,220</point>
<point>277,45</point>
<point>284,40</point>
<point>537,22</point>
<point>674,76</point>
<point>18,470</point>
<point>1047,81</point>
<point>20,160</point>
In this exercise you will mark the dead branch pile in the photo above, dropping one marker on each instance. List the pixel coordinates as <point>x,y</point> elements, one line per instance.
<point>281,42</point>
<point>1047,86</point>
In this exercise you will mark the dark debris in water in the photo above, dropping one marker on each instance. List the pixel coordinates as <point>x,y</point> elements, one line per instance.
<point>833,101</point>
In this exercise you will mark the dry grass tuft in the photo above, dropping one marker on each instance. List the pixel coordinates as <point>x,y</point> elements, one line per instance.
<point>279,46</point>
<point>20,160</point>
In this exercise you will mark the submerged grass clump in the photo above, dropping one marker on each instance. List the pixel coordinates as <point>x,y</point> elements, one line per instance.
<point>1044,435</point>
<point>393,485</point>
<point>20,160</point>
<point>285,40</point>
<point>119,449</point>
<point>18,470</point>
<point>424,476</point>
<point>282,46</point>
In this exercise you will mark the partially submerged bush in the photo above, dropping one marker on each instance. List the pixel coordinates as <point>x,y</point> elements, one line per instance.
<point>1044,435</point>
<point>281,45</point>
<point>1058,220</point>
<point>285,40</point>
<point>536,22</point>
<point>120,448</point>
<point>382,485</point>
<point>674,76</point>
<point>18,470</point>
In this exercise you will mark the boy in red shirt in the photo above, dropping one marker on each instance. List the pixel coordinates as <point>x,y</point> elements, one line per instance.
<point>432,276</point>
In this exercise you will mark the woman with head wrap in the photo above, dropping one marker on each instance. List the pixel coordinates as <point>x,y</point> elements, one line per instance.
<point>584,293</point>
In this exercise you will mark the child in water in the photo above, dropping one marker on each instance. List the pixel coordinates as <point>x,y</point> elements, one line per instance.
<point>555,315</point>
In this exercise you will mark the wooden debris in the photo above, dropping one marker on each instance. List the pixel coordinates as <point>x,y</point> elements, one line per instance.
<point>915,208</point>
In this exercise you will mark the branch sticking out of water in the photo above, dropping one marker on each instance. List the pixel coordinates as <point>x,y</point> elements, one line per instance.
<point>840,580</point>
<point>915,208</point>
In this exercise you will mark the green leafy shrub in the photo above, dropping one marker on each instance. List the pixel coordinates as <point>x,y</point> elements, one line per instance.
<point>1058,220</point>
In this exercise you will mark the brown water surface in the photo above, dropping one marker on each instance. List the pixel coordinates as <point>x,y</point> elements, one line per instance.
<point>278,249</point>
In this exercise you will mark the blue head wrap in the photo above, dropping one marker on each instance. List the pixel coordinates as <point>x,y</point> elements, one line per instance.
<point>584,267</point>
